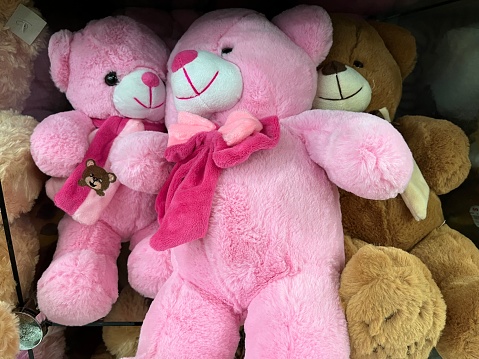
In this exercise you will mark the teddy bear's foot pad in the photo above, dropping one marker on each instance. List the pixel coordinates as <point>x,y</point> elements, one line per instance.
<point>393,307</point>
<point>78,288</point>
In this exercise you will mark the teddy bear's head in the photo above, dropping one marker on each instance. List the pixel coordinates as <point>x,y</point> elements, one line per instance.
<point>366,66</point>
<point>114,66</point>
<point>236,59</point>
<point>16,58</point>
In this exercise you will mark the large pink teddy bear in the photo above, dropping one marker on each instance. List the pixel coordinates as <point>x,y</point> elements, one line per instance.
<point>113,74</point>
<point>251,208</point>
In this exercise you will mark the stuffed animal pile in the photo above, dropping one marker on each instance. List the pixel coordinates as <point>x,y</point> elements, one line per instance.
<point>399,258</point>
<point>266,188</point>
<point>115,88</point>
<point>250,210</point>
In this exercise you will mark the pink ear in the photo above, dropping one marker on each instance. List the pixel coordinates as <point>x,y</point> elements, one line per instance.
<point>309,26</point>
<point>59,53</point>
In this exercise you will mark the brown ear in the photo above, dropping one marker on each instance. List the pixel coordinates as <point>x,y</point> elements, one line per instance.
<point>400,43</point>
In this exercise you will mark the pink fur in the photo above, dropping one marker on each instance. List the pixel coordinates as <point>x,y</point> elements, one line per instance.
<point>148,269</point>
<point>60,142</point>
<point>81,283</point>
<point>301,25</point>
<point>59,54</point>
<point>141,171</point>
<point>368,158</point>
<point>273,252</point>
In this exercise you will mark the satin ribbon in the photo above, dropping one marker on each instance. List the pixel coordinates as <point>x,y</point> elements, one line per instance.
<point>238,126</point>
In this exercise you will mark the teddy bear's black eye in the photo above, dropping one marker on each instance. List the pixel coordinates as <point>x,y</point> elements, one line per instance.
<point>358,64</point>
<point>226,50</point>
<point>111,79</point>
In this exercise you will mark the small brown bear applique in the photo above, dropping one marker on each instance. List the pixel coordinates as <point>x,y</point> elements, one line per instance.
<point>96,178</point>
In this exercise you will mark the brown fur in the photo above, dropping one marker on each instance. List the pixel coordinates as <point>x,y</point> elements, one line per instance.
<point>123,341</point>
<point>401,272</point>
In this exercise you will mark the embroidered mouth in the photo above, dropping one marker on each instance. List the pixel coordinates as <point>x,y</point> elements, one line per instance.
<point>148,107</point>
<point>342,98</point>
<point>197,93</point>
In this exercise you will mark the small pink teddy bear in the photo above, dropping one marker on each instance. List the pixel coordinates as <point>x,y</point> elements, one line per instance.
<point>113,73</point>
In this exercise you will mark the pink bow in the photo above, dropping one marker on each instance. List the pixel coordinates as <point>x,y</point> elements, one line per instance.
<point>238,126</point>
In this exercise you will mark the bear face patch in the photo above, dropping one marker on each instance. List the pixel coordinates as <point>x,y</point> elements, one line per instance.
<point>96,177</point>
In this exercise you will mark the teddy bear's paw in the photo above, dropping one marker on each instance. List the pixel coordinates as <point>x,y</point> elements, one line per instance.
<point>146,170</point>
<point>78,288</point>
<point>9,335</point>
<point>460,337</point>
<point>148,269</point>
<point>393,307</point>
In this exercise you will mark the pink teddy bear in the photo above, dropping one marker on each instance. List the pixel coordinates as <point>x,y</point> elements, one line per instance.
<point>113,73</point>
<point>251,209</point>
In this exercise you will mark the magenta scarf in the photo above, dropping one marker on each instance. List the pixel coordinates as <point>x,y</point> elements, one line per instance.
<point>91,186</point>
<point>184,202</point>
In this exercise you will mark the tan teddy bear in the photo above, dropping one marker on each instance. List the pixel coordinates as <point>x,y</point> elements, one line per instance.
<point>401,250</point>
<point>22,183</point>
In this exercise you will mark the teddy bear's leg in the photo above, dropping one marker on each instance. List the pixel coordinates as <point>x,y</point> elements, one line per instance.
<point>148,269</point>
<point>453,261</point>
<point>298,317</point>
<point>9,338</point>
<point>183,323</point>
<point>393,306</point>
<point>81,283</point>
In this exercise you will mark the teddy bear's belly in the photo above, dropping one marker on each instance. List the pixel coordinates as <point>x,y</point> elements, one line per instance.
<point>272,216</point>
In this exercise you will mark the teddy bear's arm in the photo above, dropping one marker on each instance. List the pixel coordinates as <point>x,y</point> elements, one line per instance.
<point>138,161</point>
<point>360,153</point>
<point>59,143</point>
<point>440,148</point>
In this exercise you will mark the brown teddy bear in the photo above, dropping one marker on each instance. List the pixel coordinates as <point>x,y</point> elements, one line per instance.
<point>401,251</point>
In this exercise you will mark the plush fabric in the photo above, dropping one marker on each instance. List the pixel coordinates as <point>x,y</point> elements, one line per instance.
<point>273,252</point>
<point>105,72</point>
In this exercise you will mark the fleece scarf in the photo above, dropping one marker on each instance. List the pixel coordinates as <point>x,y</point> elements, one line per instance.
<point>90,188</point>
<point>184,202</point>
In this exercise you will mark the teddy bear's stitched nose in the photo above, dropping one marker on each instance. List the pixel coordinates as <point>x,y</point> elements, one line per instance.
<point>332,68</point>
<point>183,58</point>
<point>150,79</point>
